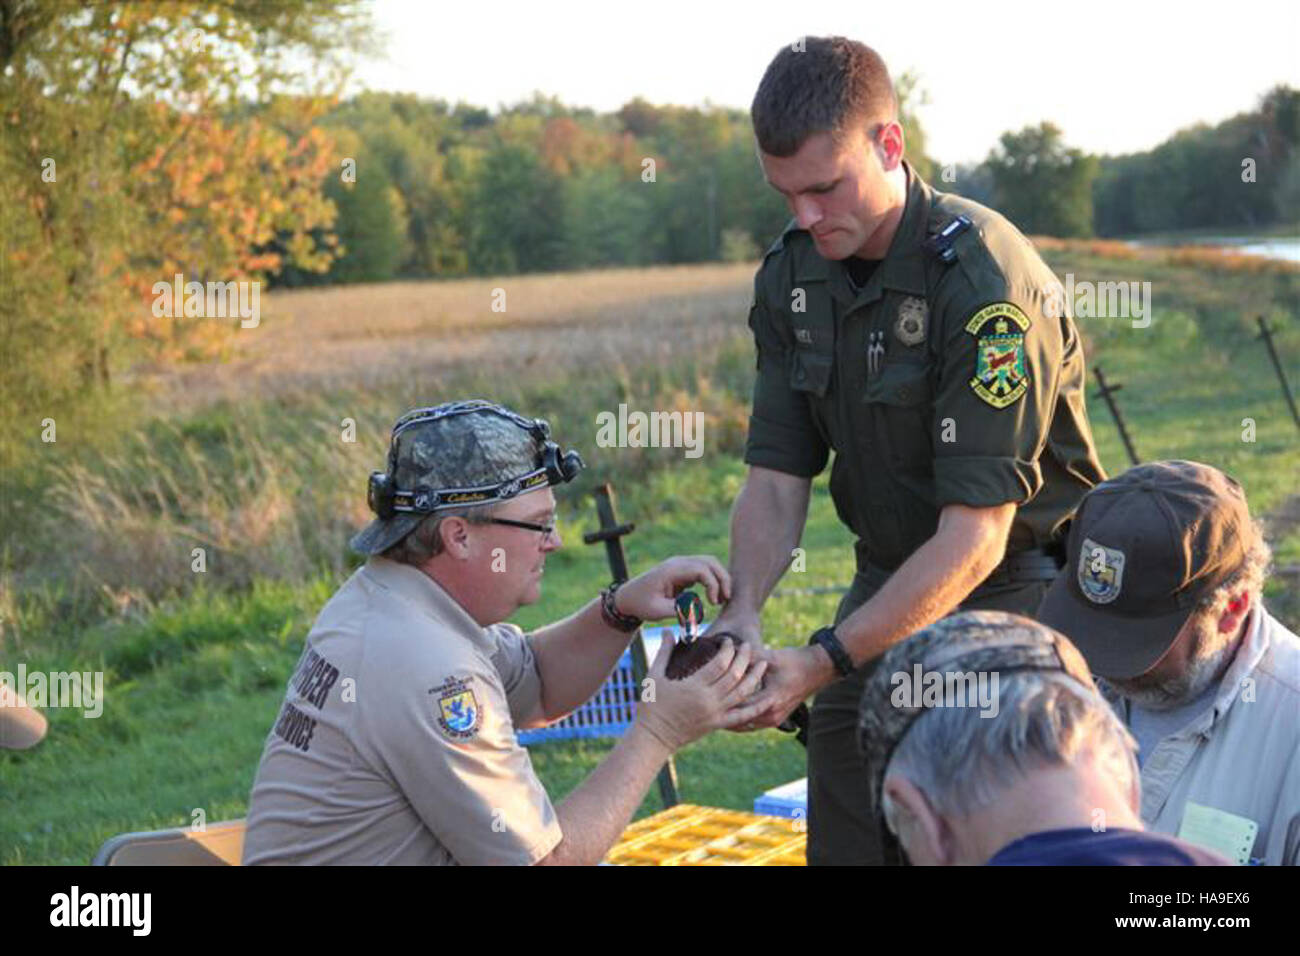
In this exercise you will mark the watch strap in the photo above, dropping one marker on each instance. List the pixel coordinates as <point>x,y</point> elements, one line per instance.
<point>825,637</point>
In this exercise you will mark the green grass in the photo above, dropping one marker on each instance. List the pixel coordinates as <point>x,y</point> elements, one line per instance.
<point>195,666</point>
<point>193,689</point>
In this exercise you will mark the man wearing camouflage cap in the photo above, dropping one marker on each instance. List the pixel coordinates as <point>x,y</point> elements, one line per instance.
<point>1162,596</point>
<point>986,743</point>
<point>396,741</point>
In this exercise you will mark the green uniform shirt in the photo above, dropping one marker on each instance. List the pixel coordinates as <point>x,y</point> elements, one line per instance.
<point>937,383</point>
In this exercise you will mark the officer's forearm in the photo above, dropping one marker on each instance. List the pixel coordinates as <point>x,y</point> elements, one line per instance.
<point>938,576</point>
<point>575,657</point>
<point>594,816</point>
<point>766,525</point>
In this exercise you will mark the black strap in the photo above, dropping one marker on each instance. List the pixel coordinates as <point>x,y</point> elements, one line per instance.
<point>1020,567</point>
<point>825,637</point>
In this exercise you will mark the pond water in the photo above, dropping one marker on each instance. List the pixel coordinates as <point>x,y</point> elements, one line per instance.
<point>1272,247</point>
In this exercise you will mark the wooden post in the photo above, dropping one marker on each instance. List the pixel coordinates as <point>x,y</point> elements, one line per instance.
<point>1106,394</point>
<point>611,534</point>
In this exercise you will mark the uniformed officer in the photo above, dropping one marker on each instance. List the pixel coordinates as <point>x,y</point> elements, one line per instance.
<point>396,739</point>
<point>914,334</point>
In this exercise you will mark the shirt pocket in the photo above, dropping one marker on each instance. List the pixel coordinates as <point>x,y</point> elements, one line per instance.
<point>898,404</point>
<point>810,371</point>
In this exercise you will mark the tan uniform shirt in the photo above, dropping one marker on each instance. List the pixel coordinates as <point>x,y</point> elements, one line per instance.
<point>1241,755</point>
<point>396,740</point>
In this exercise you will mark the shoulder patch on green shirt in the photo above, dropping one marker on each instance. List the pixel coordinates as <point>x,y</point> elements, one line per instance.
<point>1001,374</point>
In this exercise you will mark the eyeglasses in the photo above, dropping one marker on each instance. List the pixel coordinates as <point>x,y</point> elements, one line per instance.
<point>545,530</point>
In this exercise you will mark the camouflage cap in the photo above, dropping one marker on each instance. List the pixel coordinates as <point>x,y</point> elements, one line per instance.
<point>458,454</point>
<point>972,641</point>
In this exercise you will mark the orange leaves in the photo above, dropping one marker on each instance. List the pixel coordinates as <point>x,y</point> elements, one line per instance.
<point>221,190</point>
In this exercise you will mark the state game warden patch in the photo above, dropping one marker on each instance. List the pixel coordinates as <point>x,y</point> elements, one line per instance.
<point>458,710</point>
<point>1001,374</point>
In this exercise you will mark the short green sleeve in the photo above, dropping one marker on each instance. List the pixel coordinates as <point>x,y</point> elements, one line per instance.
<point>997,384</point>
<point>782,433</point>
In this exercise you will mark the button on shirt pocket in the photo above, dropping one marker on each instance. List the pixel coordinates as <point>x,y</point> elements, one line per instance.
<point>898,405</point>
<point>810,372</point>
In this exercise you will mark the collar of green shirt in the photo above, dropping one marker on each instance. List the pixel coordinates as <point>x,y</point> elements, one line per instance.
<point>902,269</point>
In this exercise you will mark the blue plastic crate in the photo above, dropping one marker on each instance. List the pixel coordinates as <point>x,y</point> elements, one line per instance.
<point>610,711</point>
<point>788,800</point>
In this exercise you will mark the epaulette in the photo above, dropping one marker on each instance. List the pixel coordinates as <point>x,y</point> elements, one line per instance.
<point>779,244</point>
<point>939,244</point>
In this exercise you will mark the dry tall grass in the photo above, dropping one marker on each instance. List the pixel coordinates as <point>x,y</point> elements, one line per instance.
<point>247,459</point>
<point>370,336</point>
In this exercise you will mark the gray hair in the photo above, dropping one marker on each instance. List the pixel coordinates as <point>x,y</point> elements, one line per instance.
<point>424,541</point>
<point>1250,577</point>
<point>962,761</point>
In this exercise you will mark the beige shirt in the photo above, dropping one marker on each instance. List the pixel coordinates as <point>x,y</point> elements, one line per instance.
<point>1241,754</point>
<point>396,740</point>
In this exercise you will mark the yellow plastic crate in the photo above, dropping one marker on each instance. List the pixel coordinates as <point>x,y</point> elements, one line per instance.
<point>687,835</point>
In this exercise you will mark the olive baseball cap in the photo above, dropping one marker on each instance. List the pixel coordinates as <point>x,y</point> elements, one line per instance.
<point>1144,548</point>
<point>971,641</point>
<point>458,455</point>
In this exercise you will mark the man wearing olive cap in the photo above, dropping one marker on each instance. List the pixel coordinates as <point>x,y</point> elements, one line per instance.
<point>1040,774</point>
<point>396,740</point>
<point>1162,596</point>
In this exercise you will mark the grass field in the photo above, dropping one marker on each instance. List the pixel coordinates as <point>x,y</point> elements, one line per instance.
<point>249,459</point>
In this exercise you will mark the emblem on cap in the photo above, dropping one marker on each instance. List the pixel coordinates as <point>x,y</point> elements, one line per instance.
<point>458,712</point>
<point>1101,572</point>
<point>912,316</point>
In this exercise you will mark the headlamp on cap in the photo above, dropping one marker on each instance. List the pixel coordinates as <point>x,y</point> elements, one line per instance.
<point>386,499</point>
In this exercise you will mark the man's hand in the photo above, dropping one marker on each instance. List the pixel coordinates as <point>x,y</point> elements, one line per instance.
<point>713,697</point>
<point>794,673</point>
<point>743,624</point>
<point>650,596</point>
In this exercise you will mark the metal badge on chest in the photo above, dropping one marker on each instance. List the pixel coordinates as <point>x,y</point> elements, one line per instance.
<point>913,314</point>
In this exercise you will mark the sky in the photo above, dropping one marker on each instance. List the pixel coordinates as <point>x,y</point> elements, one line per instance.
<point>1117,77</point>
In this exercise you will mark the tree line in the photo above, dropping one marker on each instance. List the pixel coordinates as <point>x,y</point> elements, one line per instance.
<point>145,141</point>
<point>443,190</point>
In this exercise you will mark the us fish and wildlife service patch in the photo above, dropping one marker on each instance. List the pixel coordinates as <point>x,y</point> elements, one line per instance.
<point>1101,572</point>
<point>458,710</point>
<point>1001,373</point>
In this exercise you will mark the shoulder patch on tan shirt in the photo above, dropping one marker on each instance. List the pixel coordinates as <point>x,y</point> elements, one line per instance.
<point>458,710</point>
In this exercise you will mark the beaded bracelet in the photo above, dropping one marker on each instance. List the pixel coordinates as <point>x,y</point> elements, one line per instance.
<point>609,613</point>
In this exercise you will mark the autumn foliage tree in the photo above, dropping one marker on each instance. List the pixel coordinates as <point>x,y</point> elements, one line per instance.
<point>138,141</point>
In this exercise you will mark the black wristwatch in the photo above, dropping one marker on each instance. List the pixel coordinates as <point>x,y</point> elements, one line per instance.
<point>831,644</point>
